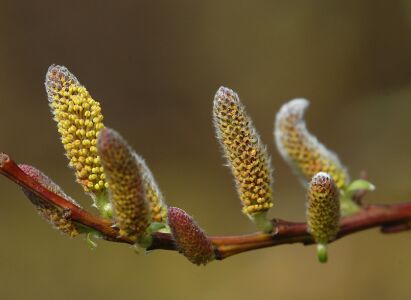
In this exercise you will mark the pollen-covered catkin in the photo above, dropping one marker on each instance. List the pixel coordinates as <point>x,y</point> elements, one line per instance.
<point>323,208</point>
<point>190,239</point>
<point>52,214</point>
<point>154,196</point>
<point>304,153</point>
<point>79,120</point>
<point>245,153</point>
<point>126,187</point>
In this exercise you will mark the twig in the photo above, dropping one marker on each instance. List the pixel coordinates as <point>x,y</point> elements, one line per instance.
<point>390,218</point>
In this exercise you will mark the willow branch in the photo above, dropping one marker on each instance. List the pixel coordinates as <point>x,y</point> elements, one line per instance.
<point>390,218</point>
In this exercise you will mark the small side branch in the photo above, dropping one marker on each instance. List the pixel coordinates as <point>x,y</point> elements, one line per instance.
<point>390,218</point>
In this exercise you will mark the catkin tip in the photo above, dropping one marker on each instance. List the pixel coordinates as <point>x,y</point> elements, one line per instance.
<point>295,106</point>
<point>225,94</point>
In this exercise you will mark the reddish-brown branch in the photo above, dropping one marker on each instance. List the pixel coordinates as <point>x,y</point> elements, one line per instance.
<point>390,218</point>
<point>11,170</point>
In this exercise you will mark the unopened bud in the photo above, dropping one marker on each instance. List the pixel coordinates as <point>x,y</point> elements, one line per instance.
<point>190,239</point>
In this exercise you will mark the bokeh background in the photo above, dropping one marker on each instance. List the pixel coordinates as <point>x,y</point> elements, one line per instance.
<point>155,66</point>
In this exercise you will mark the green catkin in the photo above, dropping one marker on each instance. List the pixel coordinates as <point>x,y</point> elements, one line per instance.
<point>52,214</point>
<point>323,211</point>
<point>301,150</point>
<point>126,187</point>
<point>190,239</point>
<point>244,151</point>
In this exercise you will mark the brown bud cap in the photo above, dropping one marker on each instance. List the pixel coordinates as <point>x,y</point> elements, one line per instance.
<point>190,239</point>
<point>56,216</point>
<point>125,184</point>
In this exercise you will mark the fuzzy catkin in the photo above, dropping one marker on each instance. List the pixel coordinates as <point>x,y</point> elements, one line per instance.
<point>158,207</point>
<point>126,187</point>
<point>52,214</point>
<point>323,208</point>
<point>79,120</point>
<point>190,239</point>
<point>245,153</point>
<point>302,151</point>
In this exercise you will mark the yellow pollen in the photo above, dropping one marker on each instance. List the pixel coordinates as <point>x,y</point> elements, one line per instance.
<point>79,121</point>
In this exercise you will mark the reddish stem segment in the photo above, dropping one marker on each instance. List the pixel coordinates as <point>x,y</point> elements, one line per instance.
<point>390,218</point>
<point>11,170</point>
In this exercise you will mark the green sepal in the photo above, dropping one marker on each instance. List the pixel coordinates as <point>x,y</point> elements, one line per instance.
<point>90,239</point>
<point>103,204</point>
<point>82,228</point>
<point>155,226</point>
<point>347,206</point>
<point>262,222</point>
<point>147,239</point>
<point>358,185</point>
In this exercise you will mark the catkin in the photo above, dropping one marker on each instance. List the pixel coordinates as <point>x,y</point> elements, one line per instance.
<point>244,151</point>
<point>79,120</point>
<point>303,152</point>
<point>126,187</point>
<point>323,208</point>
<point>154,196</point>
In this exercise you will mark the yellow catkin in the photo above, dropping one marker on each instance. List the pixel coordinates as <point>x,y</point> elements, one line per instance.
<point>246,155</point>
<point>126,187</point>
<point>154,196</point>
<point>52,214</point>
<point>323,208</point>
<point>301,149</point>
<point>79,120</point>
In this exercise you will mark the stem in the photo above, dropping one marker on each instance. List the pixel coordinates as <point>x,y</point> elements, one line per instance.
<point>103,205</point>
<point>322,253</point>
<point>262,223</point>
<point>390,218</point>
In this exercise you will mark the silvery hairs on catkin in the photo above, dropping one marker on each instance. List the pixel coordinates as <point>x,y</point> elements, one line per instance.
<point>301,150</point>
<point>79,120</point>
<point>246,155</point>
<point>155,198</point>
<point>126,186</point>
<point>323,208</point>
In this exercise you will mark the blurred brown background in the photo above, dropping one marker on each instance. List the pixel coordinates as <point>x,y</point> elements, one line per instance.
<point>155,66</point>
